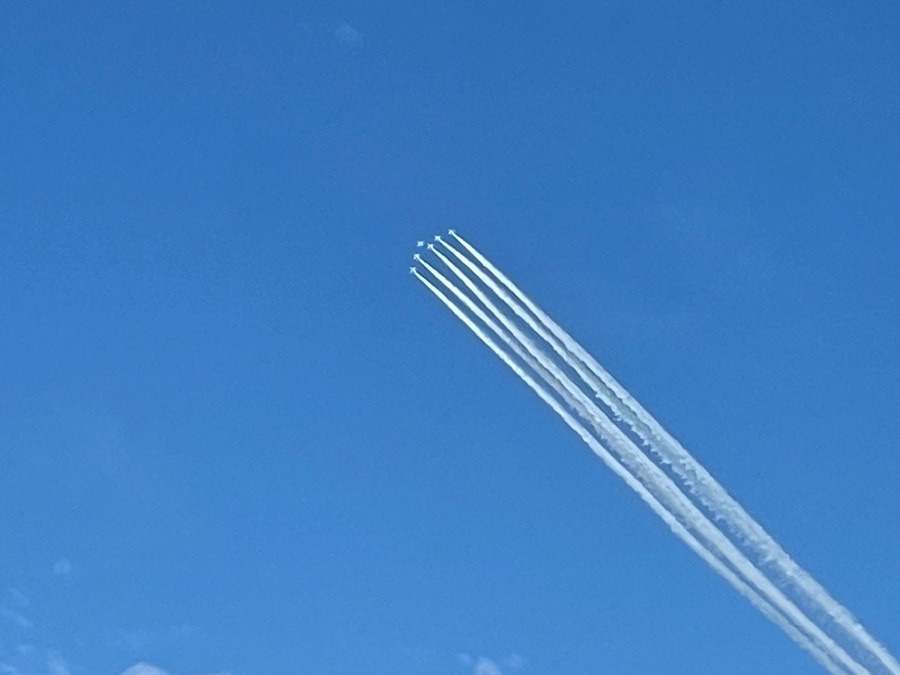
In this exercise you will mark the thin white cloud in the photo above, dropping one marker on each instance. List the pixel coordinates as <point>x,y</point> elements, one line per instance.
<point>138,639</point>
<point>143,669</point>
<point>134,639</point>
<point>347,35</point>
<point>482,665</point>
<point>62,567</point>
<point>17,618</point>
<point>57,666</point>
<point>25,657</point>
<point>17,598</point>
<point>28,659</point>
<point>11,610</point>
<point>514,661</point>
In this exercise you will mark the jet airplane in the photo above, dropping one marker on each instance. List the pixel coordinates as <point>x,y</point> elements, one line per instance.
<point>420,244</point>
<point>451,231</point>
<point>412,270</point>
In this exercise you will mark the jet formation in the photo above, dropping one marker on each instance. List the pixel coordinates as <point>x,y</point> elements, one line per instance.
<point>430,247</point>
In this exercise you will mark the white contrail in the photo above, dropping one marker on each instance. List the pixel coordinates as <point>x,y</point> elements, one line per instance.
<point>750,593</point>
<point>695,477</point>
<point>634,460</point>
<point>535,324</point>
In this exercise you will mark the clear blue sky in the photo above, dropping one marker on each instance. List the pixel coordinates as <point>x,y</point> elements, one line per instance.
<point>235,436</point>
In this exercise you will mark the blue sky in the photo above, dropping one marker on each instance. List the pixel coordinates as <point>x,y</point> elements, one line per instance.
<point>236,437</point>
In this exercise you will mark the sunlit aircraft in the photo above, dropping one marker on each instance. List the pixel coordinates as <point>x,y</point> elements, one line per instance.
<point>420,244</point>
<point>451,231</point>
<point>431,247</point>
<point>437,237</point>
<point>412,270</point>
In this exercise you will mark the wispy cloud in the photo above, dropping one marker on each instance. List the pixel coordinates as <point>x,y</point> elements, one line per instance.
<point>514,661</point>
<point>30,660</point>
<point>143,669</point>
<point>13,607</point>
<point>57,666</point>
<point>347,35</point>
<point>135,639</point>
<point>485,666</point>
<point>23,652</point>
<point>138,639</point>
<point>25,657</point>
<point>18,598</point>
<point>16,618</point>
<point>62,567</point>
<point>148,669</point>
<point>482,665</point>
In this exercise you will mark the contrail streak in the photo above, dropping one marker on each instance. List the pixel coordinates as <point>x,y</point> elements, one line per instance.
<point>689,539</point>
<point>635,461</point>
<point>695,477</point>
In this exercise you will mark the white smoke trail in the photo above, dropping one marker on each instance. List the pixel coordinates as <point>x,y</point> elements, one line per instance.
<point>751,594</point>
<point>635,461</point>
<point>694,476</point>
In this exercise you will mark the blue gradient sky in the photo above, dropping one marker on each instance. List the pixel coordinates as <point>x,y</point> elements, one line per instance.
<point>236,437</point>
